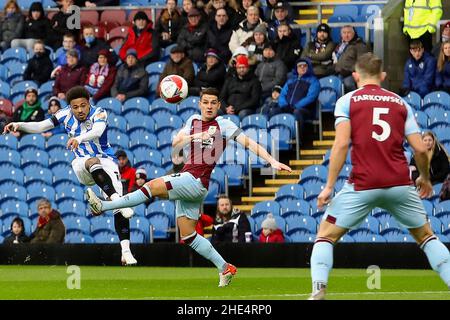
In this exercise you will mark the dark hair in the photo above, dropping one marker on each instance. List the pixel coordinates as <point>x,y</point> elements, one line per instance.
<point>416,44</point>
<point>70,35</point>
<point>76,93</point>
<point>210,91</point>
<point>18,221</point>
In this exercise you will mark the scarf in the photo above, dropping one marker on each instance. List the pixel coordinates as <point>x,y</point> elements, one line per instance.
<point>42,221</point>
<point>27,110</point>
<point>341,48</point>
<point>97,75</point>
<point>320,47</point>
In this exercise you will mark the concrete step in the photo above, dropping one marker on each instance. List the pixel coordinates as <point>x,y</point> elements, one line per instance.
<point>323,143</point>
<point>257,199</point>
<point>313,152</point>
<point>309,21</point>
<point>244,207</point>
<point>286,173</point>
<point>280,182</point>
<point>265,190</point>
<point>304,163</point>
<point>329,134</point>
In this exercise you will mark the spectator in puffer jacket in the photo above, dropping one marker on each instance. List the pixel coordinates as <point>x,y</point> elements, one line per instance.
<point>142,38</point>
<point>11,25</point>
<point>36,26</point>
<point>40,66</point>
<point>300,92</point>
<point>241,92</point>
<point>193,37</point>
<point>101,76</point>
<point>72,74</point>
<point>131,79</point>
<point>210,75</point>
<point>270,232</point>
<point>443,68</point>
<point>271,71</point>
<point>420,70</point>
<point>245,29</point>
<point>50,227</point>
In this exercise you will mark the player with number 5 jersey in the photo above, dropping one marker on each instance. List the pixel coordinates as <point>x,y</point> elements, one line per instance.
<point>376,122</point>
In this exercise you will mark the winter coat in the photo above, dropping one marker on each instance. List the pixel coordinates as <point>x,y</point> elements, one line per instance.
<point>300,92</point>
<point>146,44</point>
<point>21,238</point>
<point>194,41</point>
<point>214,78</point>
<point>128,178</point>
<point>439,166</point>
<point>224,232</point>
<point>273,25</point>
<point>11,28</point>
<point>288,50</point>
<point>241,93</point>
<point>443,77</point>
<point>420,74</point>
<point>234,18</point>
<point>89,54</point>
<point>172,26</point>
<point>346,62</point>
<point>321,56</point>
<point>39,68</point>
<point>241,34</point>
<point>37,29</point>
<point>132,82</point>
<point>271,73</point>
<point>105,89</point>
<point>52,232</point>
<point>219,40</point>
<point>184,68</point>
<point>36,116</point>
<point>275,237</point>
<point>59,29</point>
<point>62,58</point>
<point>69,77</point>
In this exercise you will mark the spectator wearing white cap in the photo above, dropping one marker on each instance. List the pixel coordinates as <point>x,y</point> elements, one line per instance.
<point>270,232</point>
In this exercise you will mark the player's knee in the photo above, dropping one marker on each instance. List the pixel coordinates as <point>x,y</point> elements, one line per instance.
<point>90,162</point>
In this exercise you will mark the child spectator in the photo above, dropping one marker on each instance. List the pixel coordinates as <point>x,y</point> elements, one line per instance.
<point>11,25</point>
<point>40,66</point>
<point>270,106</point>
<point>69,43</point>
<point>270,232</point>
<point>17,233</point>
<point>443,68</point>
<point>101,76</point>
<point>53,107</point>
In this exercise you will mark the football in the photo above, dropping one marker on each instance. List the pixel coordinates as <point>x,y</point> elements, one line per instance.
<point>174,89</point>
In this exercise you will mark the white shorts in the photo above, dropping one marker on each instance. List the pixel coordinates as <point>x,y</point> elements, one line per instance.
<point>85,177</point>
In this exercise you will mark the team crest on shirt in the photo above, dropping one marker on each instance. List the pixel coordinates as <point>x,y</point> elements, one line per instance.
<point>88,124</point>
<point>212,130</point>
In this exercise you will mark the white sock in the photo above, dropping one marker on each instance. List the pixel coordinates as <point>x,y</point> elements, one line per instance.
<point>125,244</point>
<point>114,196</point>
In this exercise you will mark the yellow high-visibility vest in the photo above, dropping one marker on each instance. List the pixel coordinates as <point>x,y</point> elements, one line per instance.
<point>421,16</point>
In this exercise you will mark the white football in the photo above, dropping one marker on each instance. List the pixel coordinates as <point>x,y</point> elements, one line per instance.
<point>174,89</point>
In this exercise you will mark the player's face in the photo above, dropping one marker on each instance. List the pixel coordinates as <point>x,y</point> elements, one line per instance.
<point>429,142</point>
<point>209,105</point>
<point>80,108</point>
<point>224,206</point>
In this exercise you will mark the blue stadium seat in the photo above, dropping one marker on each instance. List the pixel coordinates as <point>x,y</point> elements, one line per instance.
<point>257,121</point>
<point>16,70</point>
<point>345,10</point>
<point>154,172</point>
<point>440,97</point>
<point>289,192</point>
<point>295,206</point>
<point>436,224</point>
<point>118,139</point>
<point>32,140</point>
<point>312,189</point>
<point>189,102</point>
<point>345,171</point>
<point>421,118</point>
<point>436,190</point>
<point>46,89</point>
<point>137,120</point>
<point>266,207</point>
<point>340,182</point>
<point>234,154</point>
<point>282,137</point>
<point>5,89</point>
<point>102,223</point>
<point>252,223</point>
<point>3,72</point>
<point>38,190</point>
<point>235,173</point>
<point>118,122</point>
<point>15,54</point>
<point>142,224</point>
<point>155,67</point>
<point>138,103</point>
<point>442,132</point>
<point>284,120</point>
<point>13,206</point>
<point>69,191</point>
<point>62,173</point>
<point>398,237</point>
<point>299,235</point>
<point>9,156</point>
<point>7,220</point>
<point>160,105</point>
<point>12,191</point>
<point>362,235</point>
<point>162,121</point>
<point>263,138</point>
<point>438,117</point>
<point>186,113</point>
<point>160,223</point>
<point>388,223</point>
<point>57,140</point>
<point>164,206</point>
<point>78,238</point>
<point>60,155</point>
<point>9,141</point>
<point>137,236</point>
<point>143,155</point>
<point>11,173</point>
<point>33,156</point>
<point>37,173</point>
<point>442,208</point>
<point>327,99</point>
<point>19,88</point>
<point>141,138</point>
<point>153,82</point>
<point>233,118</point>
<point>110,104</point>
<point>445,219</point>
<point>294,220</point>
<point>79,223</point>
<point>314,173</point>
<point>165,137</point>
<point>429,207</point>
<point>213,193</point>
<point>105,236</point>
<point>371,223</point>
<point>316,212</point>
<point>72,206</point>
<point>218,175</point>
<point>414,100</point>
<point>140,210</point>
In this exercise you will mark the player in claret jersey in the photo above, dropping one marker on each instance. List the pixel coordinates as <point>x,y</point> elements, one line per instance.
<point>375,121</point>
<point>207,134</point>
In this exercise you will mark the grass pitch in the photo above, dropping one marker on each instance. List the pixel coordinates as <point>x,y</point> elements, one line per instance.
<point>50,282</point>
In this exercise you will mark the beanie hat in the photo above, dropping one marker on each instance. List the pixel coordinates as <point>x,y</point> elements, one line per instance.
<point>269,223</point>
<point>241,61</point>
<point>31,89</point>
<point>141,15</point>
<point>261,28</point>
<point>240,51</point>
<point>141,174</point>
<point>324,27</point>
<point>277,88</point>
<point>132,52</point>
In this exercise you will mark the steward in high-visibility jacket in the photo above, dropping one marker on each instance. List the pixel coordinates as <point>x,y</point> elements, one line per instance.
<point>421,16</point>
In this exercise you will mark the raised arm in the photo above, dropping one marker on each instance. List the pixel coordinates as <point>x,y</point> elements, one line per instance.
<point>29,127</point>
<point>261,152</point>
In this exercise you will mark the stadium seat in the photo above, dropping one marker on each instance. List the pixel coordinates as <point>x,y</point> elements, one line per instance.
<point>19,88</point>
<point>438,117</point>
<point>5,89</point>
<point>256,121</point>
<point>299,235</point>
<point>218,175</point>
<point>118,122</point>
<point>38,190</point>
<point>57,140</point>
<point>213,192</point>
<point>68,191</point>
<point>186,113</point>
<point>284,119</point>
<point>78,238</point>
<point>295,206</point>
<point>235,174</point>
<point>79,223</point>
<point>372,224</point>
<point>233,118</point>
<point>362,235</point>
<point>137,120</point>
<point>154,172</point>
<point>442,208</point>
<point>137,236</point>
<point>165,137</point>
<point>266,207</point>
<point>346,239</point>
<point>15,54</point>
<point>164,206</point>
<point>118,16</point>
<point>442,132</point>
<point>160,105</point>
<point>62,173</point>
<point>10,190</point>
<point>138,103</point>
<point>60,155</point>
<point>160,224</point>
<point>314,173</point>
<point>164,122</point>
<point>143,155</point>
<point>141,138</point>
<point>436,224</point>
<point>345,171</point>
<point>440,97</point>
<point>445,219</point>
<point>37,173</point>
<point>312,189</point>
<point>263,138</point>
<point>429,207</point>
<point>102,223</point>
<point>421,118</point>
<point>11,173</point>
<point>32,140</point>
<point>105,236</point>
<point>110,104</point>
<point>388,224</point>
<point>9,156</point>
<point>294,220</point>
<point>316,212</point>
<point>155,67</point>
<point>289,192</point>
<point>140,210</point>
<point>118,139</point>
<point>414,100</point>
<point>153,82</point>
<point>189,102</point>
<point>14,206</point>
<point>89,17</point>
<point>16,70</point>
<point>9,141</point>
<point>398,237</point>
<point>345,10</point>
<point>142,224</point>
<point>72,206</point>
<point>3,72</point>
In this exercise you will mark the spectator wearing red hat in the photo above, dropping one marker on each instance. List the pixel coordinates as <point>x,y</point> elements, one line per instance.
<point>29,111</point>
<point>92,46</point>
<point>101,76</point>
<point>143,39</point>
<point>210,75</point>
<point>193,36</point>
<point>241,92</point>
<point>445,36</point>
